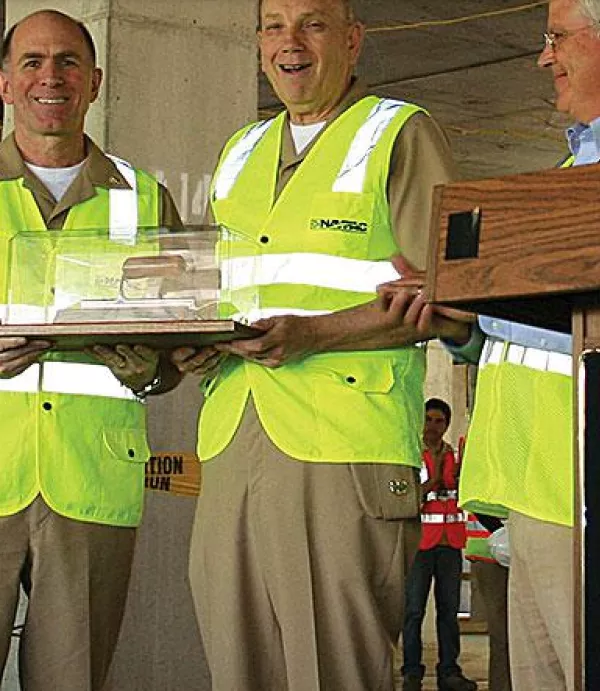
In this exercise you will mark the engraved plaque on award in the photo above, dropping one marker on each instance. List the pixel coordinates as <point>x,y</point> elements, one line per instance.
<point>164,288</point>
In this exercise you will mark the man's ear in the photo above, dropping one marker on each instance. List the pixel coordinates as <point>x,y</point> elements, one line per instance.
<point>259,37</point>
<point>356,37</point>
<point>96,82</point>
<point>5,88</point>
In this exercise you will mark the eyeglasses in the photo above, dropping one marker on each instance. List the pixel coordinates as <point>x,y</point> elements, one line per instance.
<point>553,39</point>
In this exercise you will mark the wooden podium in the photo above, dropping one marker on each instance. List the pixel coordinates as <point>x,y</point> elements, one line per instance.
<point>527,248</point>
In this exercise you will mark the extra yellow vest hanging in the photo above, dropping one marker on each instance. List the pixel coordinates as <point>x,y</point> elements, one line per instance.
<point>324,245</point>
<point>477,547</point>
<point>69,430</point>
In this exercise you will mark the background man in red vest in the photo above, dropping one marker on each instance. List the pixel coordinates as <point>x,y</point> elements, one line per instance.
<point>439,557</point>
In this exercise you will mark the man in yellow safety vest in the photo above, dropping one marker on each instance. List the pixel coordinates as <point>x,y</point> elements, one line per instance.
<point>72,425</point>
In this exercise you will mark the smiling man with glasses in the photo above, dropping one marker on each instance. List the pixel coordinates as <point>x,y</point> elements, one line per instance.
<point>518,459</point>
<point>572,51</point>
<point>531,427</point>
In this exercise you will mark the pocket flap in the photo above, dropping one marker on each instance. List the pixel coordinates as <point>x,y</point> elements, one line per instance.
<point>372,377</point>
<point>127,444</point>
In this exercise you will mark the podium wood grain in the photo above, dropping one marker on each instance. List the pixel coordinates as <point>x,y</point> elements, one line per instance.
<point>539,246</point>
<point>538,261</point>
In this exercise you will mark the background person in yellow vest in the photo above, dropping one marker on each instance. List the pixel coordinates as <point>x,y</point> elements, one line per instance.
<point>491,580</point>
<point>73,433</point>
<point>308,519</point>
<point>518,457</point>
<point>438,560</point>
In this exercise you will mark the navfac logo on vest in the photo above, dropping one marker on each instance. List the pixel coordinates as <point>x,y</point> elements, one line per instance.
<point>343,225</point>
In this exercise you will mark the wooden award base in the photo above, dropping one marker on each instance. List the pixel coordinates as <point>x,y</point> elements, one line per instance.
<point>159,335</point>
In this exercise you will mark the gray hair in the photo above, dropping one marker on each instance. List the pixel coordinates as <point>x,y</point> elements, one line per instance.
<point>590,9</point>
<point>347,6</point>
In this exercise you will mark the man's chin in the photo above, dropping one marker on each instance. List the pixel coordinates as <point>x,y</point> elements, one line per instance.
<point>562,101</point>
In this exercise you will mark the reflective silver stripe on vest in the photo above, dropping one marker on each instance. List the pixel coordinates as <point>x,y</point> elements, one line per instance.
<point>68,378</point>
<point>323,270</point>
<point>441,495</point>
<point>443,518</point>
<point>236,159</point>
<point>123,205</point>
<point>474,526</point>
<point>26,314</point>
<point>353,172</point>
<point>494,352</point>
<point>27,381</point>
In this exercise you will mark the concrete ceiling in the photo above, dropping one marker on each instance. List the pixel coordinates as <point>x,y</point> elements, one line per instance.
<point>472,64</point>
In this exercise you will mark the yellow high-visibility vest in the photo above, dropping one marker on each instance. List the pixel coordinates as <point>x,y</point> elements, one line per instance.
<point>69,430</point>
<point>324,245</point>
<point>519,451</point>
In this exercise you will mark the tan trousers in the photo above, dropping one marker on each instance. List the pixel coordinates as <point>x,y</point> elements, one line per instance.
<point>76,576</point>
<point>492,582</point>
<point>541,628</point>
<point>296,588</point>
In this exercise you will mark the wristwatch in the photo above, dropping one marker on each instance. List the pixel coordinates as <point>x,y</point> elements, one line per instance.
<point>150,387</point>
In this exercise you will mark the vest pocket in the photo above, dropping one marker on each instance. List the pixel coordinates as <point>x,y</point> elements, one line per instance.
<point>129,445</point>
<point>387,491</point>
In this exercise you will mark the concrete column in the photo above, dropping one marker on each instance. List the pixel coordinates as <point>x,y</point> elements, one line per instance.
<point>179,78</point>
<point>448,382</point>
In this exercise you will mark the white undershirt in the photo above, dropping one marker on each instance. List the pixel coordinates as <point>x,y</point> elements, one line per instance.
<point>56,180</point>
<point>304,134</point>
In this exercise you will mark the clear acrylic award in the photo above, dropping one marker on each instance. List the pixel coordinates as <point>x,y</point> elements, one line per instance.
<point>160,287</point>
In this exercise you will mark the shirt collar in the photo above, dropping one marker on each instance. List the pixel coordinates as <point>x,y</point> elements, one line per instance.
<point>99,170</point>
<point>356,91</point>
<point>584,141</point>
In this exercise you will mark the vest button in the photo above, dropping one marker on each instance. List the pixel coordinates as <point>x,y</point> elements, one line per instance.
<point>131,453</point>
<point>46,405</point>
<point>264,239</point>
<point>351,379</point>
